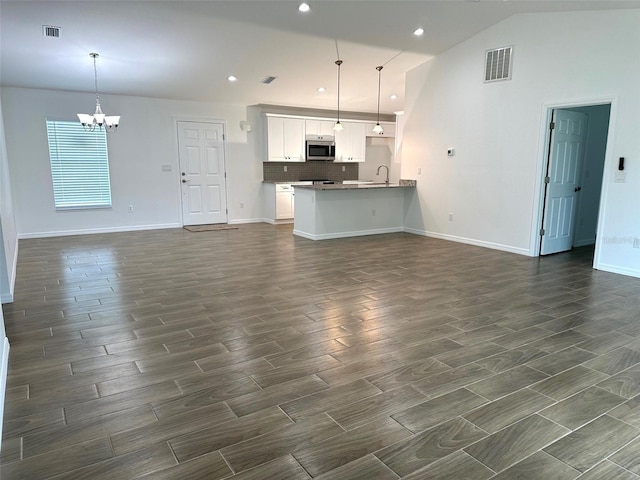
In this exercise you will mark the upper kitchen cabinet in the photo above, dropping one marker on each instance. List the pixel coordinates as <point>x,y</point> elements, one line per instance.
<point>285,139</point>
<point>319,127</point>
<point>351,142</point>
<point>388,130</point>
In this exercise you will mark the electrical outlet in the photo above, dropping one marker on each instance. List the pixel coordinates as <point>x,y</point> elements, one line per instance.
<point>419,171</point>
<point>373,212</point>
<point>636,242</point>
<point>241,204</point>
<point>451,217</point>
<point>344,168</point>
<point>130,208</point>
<point>285,168</point>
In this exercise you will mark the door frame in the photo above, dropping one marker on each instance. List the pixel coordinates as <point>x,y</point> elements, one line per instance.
<point>176,149</point>
<point>543,159</point>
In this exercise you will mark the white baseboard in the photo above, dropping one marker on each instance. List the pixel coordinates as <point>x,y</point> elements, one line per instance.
<point>471,241</point>
<point>89,231</point>
<point>4,367</point>
<point>238,221</point>
<point>356,233</point>
<point>583,242</point>
<point>631,272</point>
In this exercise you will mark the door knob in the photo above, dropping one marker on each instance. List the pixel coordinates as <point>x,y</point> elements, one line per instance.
<point>184,180</point>
<point>577,189</point>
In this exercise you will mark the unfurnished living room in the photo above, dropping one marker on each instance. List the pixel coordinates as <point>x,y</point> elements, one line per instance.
<point>333,240</point>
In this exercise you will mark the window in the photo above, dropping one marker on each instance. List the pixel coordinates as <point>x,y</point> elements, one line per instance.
<point>79,166</point>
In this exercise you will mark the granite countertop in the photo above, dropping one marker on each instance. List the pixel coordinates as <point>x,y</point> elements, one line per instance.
<point>359,185</point>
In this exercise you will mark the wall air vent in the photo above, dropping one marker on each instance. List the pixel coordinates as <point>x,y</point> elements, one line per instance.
<point>267,80</point>
<point>51,31</point>
<point>498,64</point>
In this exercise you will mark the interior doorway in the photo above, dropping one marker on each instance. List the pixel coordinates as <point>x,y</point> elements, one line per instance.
<point>573,174</point>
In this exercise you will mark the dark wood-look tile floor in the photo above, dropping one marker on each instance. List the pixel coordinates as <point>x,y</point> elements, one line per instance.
<point>254,354</point>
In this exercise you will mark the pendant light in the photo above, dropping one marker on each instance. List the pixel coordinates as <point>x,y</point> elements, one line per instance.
<point>338,126</point>
<point>378,128</point>
<point>98,119</point>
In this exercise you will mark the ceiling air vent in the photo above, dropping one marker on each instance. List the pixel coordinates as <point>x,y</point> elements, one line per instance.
<point>267,80</point>
<point>498,64</point>
<point>51,31</point>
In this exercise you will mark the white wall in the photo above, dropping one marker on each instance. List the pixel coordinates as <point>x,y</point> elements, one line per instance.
<point>8,235</point>
<point>8,256</point>
<point>145,140</point>
<point>493,184</point>
<point>379,151</point>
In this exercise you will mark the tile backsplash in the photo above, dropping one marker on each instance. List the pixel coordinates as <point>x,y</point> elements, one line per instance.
<point>274,171</point>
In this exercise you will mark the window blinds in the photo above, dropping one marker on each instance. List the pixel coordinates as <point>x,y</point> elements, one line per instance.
<point>79,166</point>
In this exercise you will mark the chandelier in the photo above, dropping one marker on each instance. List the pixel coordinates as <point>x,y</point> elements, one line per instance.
<point>98,119</point>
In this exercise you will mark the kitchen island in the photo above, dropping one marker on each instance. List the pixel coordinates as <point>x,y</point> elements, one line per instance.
<point>325,211</point>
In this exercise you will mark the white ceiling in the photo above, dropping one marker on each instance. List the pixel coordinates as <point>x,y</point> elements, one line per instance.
<point>186,49</point>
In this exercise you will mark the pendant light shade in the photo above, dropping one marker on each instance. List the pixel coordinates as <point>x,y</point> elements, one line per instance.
<point>98,119</point>
<point>338,126</point>
<point>378,128</point>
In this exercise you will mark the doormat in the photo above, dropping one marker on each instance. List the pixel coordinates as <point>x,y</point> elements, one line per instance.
<point>208,228</point>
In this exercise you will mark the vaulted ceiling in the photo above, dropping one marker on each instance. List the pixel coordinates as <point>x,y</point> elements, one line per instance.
<point>187,49</point>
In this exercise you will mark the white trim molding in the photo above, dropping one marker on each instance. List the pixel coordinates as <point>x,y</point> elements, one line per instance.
<point>471,241</point>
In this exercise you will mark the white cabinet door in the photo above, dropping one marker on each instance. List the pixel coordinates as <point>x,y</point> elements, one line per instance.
<point>285,137</point>
<point>284,202</point>
<point>388,130</point>
<point>351,143</point>
<point>319,127</point>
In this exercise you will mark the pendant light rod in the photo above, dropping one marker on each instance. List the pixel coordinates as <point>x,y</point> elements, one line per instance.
<point>378,128</point>
<point>338,125</point>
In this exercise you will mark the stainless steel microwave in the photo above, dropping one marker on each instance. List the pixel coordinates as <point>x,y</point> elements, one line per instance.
<point>320,148</point>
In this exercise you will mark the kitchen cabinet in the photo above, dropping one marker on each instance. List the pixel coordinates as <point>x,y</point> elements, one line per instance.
<point>285,139</point>
<point>351,142</point>
<point>284,202</point>
<point>389,130</point>
<point>319,127</point>
<point>278,202</point>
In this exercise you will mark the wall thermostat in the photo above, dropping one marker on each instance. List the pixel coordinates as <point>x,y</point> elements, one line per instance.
<point>450,152</point>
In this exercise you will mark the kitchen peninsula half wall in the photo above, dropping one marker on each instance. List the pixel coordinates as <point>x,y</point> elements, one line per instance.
<point>326,211</point>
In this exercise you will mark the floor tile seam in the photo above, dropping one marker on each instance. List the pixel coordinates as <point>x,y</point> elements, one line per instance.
<point>568,432</point>
<point>592,419</point>
<point>586,387</point>
<point>611,461</point>
<point>602,459</point>
<point>415,434</point>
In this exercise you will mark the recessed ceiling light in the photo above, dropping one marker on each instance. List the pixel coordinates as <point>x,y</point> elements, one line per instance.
<point>321,89</point>
<point>304,8</point>
<point>232,78</point>
<point>419,31</point>
<point>393,97</point>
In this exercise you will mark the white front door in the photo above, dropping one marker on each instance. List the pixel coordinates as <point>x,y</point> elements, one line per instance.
<point>566,152</point>
<point>202,173</point>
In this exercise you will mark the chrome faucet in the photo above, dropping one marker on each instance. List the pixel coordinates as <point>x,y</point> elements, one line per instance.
<point>378,173</point>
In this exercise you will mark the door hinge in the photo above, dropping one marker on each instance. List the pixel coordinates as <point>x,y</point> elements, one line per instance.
<point>547,179</point>
<point>541,232</point>
<point>552,125</point>
<point>225,174</point>
<point>226,210</point>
